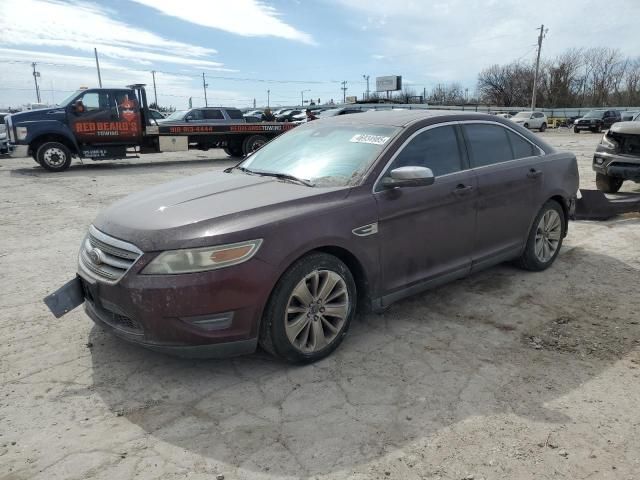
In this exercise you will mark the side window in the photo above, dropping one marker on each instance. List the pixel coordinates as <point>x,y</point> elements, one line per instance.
<point>488,144</point>
<point>521,148</point>
<point>94,101</point>
<point>538,115</point>
<point>235,114</point>
<point>212,115</point>
<point>436,149</point>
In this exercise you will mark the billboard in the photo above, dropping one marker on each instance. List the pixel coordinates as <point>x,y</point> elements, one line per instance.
<point>389,83</point>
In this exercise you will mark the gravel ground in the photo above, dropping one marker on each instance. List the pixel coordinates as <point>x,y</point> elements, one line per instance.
<point>503,375</point>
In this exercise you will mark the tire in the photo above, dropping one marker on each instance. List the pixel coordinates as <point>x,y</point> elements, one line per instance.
<point>608,184</point>
<point>318,334</point>
<point>575,130</point>
<point>234,151</point>
<point>545,238</point>
<point>54,156</point>
<point>526,125</point>
<point>598,129</point>
<point>253,143</point>
<point>543,127</point>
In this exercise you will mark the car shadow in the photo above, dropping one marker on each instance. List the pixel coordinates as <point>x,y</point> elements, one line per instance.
<point>124,166</point>
<point>501,341</point>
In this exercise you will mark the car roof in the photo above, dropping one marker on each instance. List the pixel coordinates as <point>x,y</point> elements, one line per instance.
<point>405,117</point>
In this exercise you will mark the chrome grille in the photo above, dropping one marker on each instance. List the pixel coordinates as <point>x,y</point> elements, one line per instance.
<point>105,258</point>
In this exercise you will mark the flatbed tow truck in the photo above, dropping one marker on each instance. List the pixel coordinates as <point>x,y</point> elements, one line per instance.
<point>114,123</point>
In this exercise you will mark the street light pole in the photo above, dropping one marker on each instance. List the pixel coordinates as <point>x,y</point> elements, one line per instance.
<point>204,87</point>
<point>155,93</point>
<point>302,96</point>
<point>268,94</point>
<point>35,79</point>
<point>366,77</point>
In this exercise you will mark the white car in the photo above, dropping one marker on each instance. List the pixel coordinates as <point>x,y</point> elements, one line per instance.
<point>531,120</point>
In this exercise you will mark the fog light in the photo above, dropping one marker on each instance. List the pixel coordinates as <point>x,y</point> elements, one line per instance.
<point>599,161</point>
<point>216,321</point>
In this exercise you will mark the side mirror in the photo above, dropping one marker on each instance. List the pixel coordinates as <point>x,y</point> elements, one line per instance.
<point>409,177</point>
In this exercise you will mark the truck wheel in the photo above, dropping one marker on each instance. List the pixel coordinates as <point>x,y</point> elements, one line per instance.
<point>54,156</point>
<point>575,130</point>
<point>608,184</point>
<point>234,151</point>
<point>253,143</point>
<point>543,127</point>
<point>545,238</point>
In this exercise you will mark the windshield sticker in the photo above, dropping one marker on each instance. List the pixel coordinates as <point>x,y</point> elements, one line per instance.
<point>372,139</point>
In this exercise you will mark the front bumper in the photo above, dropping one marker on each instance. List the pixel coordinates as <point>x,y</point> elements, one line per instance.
<point>208,314</point>
<point>585,126</point>
<point>611,164</point>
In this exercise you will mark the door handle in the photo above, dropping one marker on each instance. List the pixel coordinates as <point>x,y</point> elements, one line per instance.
<point>533,173</point>
<point>462,189</point>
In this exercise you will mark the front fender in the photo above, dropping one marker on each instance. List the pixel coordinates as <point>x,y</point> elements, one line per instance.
<point>41,128</point>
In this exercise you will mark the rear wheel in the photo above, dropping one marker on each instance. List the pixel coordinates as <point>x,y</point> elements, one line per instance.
<point>545,238</point>
<point>234,151</point>
<point>526,125</point>
<point>608,184</point>
<point>253,143</point>
<point>54,156</point>
<point>310,309</point>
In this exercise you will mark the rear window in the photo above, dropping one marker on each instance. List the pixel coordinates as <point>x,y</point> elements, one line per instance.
<point>488,144</point>
<point>521,148</point>
<point>213,115</point>
<point>235,114</point>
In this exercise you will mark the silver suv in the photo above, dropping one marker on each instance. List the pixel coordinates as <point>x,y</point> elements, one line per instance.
<point>531,120</point>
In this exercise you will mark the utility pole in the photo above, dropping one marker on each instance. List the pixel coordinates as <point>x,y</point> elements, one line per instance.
<point>366,77</point>
<point>344,91</point>
<point>155,93</point>
<point>302,96</point>
<point>543,32</point>
<point>268,95</point>
<point>204,87</point>
<point>35,79</point>
<point>424,94</point>
<point>95,51</point>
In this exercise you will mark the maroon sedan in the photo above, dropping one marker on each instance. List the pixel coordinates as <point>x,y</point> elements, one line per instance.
<point>348,213</point>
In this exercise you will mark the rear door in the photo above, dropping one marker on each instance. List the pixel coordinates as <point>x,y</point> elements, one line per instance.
<point>509,189</point>
<point>427,232</point>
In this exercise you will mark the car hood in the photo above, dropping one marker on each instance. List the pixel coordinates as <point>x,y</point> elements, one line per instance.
<point>629,128</point>
<point>210,208</point>
<point>43,113</point>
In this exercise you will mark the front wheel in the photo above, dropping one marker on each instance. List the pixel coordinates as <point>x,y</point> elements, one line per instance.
<point>608,184</point>
<point>310,309</point>
<point>526,125</point>
<point>543,127</point>
<point>545,238</point>
<point>54,156</point>
<point>576,130</point>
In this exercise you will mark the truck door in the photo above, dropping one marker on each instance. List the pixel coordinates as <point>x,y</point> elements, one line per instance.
<point>105,117</point>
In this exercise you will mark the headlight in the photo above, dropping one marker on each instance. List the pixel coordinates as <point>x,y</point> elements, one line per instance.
<point>608,142</point>
<point>21,133</point>
<point>202,259</point>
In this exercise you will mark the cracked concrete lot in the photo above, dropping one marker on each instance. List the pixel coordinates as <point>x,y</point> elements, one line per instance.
<point>503,375</point>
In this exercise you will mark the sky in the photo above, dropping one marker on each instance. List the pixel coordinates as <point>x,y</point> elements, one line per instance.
<point>291,48</point>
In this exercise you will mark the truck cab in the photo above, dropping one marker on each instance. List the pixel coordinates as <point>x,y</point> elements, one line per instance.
<point>96,123</point>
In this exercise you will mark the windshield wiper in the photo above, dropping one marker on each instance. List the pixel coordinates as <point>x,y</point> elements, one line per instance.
<point>242,169</point>
<point>284,176</point>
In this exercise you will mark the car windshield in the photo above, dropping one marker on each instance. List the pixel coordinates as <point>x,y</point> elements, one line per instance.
<point>71,97</point>
<point>177,115</point>
<point>325,155</point>
<point>594,114</point>
<point>522,115</point>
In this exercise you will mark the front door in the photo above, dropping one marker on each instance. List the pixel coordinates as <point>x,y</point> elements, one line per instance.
<point>105,118</point>
<point>427,232</point>
<point>509,185</point>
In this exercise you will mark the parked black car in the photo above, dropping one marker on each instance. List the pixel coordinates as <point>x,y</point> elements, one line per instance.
<point>596,121</point>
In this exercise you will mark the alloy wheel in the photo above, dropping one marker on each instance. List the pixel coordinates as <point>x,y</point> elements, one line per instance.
<point>317,311</point>
<point>548,235</point>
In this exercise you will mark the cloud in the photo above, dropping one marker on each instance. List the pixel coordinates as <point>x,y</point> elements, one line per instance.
<point>249,18</point>
<point>82,26</point>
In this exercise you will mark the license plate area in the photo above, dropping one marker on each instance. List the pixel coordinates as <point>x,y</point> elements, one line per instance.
<point>66,298</point>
